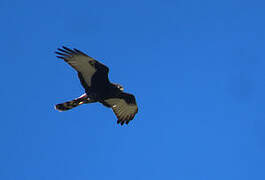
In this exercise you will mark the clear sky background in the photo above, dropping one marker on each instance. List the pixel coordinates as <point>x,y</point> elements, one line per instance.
<point>195,67</point>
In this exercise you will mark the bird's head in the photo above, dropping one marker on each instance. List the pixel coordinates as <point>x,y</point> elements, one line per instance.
<point>119,86</point>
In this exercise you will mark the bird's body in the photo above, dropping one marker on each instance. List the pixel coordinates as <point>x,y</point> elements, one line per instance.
<point>93,76</point>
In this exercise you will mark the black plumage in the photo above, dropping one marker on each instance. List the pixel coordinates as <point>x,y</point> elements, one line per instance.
<point>93,76</point>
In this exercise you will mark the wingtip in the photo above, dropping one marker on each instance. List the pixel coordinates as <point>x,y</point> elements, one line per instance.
<point>60,57</point>
<point>64,47</point>
<point>59,53</point>
<point>68,49</point>
<point>122,122</point>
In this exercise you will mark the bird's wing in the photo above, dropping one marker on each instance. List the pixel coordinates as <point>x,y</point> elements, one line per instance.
<point>124,106</point>
<point>85,65</point>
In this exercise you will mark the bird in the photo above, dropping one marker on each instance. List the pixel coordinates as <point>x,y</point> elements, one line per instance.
<point>93,76</point>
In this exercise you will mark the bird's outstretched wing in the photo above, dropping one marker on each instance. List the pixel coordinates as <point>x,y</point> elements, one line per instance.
<point>86,66</point>
<point>124,106</point>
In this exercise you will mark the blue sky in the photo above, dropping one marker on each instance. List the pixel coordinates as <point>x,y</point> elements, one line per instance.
<point>195,67</point>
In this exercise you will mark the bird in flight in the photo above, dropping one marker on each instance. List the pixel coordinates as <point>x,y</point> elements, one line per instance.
<point>93,76</point>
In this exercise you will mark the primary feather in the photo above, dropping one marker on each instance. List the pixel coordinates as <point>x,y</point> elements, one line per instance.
<point>93,76</point>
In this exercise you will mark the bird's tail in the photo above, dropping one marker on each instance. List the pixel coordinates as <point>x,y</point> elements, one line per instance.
<point>73,103</point>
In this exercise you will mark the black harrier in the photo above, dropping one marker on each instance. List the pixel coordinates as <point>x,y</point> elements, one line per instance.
<point>94,78</point>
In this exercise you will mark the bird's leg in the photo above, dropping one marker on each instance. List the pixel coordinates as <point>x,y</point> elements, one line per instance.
<point>83,96</point>
<point>84,99</point>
